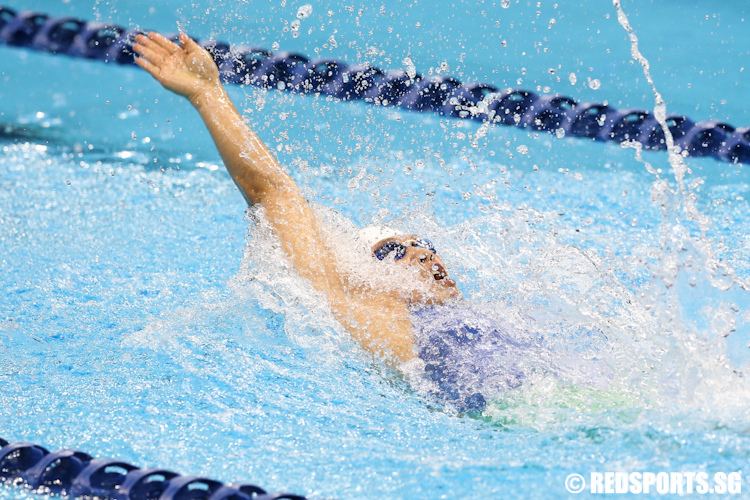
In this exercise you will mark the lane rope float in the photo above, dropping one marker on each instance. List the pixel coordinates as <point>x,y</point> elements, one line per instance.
<point>77,474</point>
<point>444,95</point>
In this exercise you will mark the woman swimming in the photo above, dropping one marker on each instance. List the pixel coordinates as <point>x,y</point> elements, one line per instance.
<point>381,320</point>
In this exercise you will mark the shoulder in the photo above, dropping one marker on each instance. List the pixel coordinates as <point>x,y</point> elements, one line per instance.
<point>379,322</point>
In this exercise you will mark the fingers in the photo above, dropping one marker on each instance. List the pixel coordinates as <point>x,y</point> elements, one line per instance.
<point>152,70</point>
<point>155,54</point>
<point>167,45</point>
<point>188,43</point>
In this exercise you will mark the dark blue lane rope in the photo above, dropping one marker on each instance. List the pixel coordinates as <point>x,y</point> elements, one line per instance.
<point>77,474</point>
<point>444,95</point>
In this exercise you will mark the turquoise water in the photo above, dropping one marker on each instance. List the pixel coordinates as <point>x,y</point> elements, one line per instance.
<point>145,317</point>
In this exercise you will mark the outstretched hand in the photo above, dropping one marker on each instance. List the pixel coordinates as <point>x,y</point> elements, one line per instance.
<point>185,69</point>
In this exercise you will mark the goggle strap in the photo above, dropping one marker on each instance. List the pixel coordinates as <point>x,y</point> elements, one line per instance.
<point>400,248</point>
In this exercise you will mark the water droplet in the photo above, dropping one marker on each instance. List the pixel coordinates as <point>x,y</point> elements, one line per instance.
<point>505,4</point>
<point>411,70</point>
<point>595,84</point>
<point>522,149</point>
<point>573,78</point>
<point>304,11</point>
<point>275,46</point>
<point>560,133</point>
<point>295,28</point>
<point>134,136</point>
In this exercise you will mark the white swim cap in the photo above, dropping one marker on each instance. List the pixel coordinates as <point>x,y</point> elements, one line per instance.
<point>371,235</point>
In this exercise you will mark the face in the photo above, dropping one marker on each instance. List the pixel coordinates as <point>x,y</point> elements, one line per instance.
<point>439,287</point>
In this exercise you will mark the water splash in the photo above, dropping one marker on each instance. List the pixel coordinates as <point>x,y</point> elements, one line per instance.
<point>684,267</point>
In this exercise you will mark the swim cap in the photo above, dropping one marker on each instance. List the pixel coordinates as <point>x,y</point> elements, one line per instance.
<point>369,236</point>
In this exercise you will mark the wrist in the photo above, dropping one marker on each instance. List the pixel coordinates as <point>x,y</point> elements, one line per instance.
<point>208,95</point>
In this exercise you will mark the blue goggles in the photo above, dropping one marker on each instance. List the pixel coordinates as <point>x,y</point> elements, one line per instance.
<point>400,248</point>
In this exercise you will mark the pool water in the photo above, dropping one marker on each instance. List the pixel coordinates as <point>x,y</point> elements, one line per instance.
<point>146,316</point>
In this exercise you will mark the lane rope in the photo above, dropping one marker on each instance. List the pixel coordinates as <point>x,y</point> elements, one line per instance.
<point>77,474</point>
<point>444,95</point>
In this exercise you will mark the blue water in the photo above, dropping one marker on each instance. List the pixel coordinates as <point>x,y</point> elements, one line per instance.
<point>144,316</point>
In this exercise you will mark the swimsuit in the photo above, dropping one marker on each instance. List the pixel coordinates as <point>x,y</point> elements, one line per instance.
<point>469,356</point>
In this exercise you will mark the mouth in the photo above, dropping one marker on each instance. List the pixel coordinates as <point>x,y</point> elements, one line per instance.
<point>441,275</point>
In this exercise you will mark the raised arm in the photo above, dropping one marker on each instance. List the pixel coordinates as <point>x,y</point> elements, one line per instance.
<point>189,71</point>
<point>379,322</point>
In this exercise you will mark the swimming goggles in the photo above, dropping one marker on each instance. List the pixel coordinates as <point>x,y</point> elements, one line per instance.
<point>400,248</point>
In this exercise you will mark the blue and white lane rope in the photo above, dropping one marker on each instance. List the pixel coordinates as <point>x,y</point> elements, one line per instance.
<point>77,474</point>
<point>554,113</point>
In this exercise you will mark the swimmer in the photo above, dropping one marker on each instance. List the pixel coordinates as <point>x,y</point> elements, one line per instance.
<point>380,321</point>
